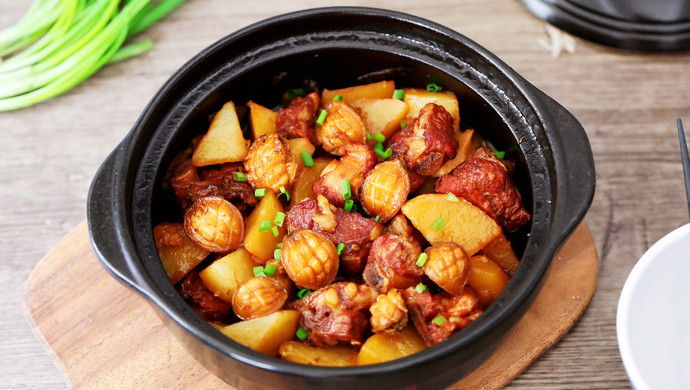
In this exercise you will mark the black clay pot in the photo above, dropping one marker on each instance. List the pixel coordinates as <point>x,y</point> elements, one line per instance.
<point>337,47</point>
<point>640,25</point>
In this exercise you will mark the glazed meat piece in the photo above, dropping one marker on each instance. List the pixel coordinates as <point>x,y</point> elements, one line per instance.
<point>484,182</point>
<point>353,230</point>
<point>437,317</point>
<point>391,263</point>
<point>190,183</point>
<point>201,299</point>
<point>297,120</point>
<point>357,161</point>
<point>425,143</point>
<point>336,313</point>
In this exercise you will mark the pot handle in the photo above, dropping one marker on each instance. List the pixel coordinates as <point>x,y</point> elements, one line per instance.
<point>103,223</point>
<point>574,160</point>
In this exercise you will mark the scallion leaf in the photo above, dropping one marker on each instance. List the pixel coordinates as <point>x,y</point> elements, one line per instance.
<point>279,245</point>
<point>264,226</point>
<point>258,271</point>
<point>307,160</point>
<point>322,117</point>
<point>303,292</point>
<point>403,124</point>
<point>368,137</point>
<point>275,231</point>
<point>276,254</point>
<point>348,205</point>
<point>378,148</point>
<point>279,218</point>
<point>433,87</point>
<point>421,260</point>
<point>439,320</point>
<point>340,248</point>
<point>338,98</point>
<point>295,92</point>
<point>379,137</point>
<point>500,154</point>
<point>270,270</point>
<point>451,197</point>
<point>438,224</point>
<point>239,176</point>
<point>399,94</point>
<point>377,218</point>
<point>302,334</point>
<point>259,192</point>
<point>421,287</point>
<point>283,191</point>
<point>345,189</point>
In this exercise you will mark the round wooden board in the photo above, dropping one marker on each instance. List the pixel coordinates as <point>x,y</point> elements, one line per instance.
<point>102,335</point>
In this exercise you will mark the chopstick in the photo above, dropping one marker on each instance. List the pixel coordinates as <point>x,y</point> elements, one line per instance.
<point>686,160</point>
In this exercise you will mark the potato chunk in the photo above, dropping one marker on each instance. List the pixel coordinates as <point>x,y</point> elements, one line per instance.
<point>264,334</point>
<point>262,119</point>
<point>487,279</point>
<point>384,347</point>
<point>464,148</point>
<point>501,252</point>
<point>262,243</point>
<point>226,273</point>
<point>223,142</point>
<point>305,180</point>
<point>381,115</point>
<point>331,356</point>
<point>440,219</point>
<point>380,90</point>
<point>178,253</point>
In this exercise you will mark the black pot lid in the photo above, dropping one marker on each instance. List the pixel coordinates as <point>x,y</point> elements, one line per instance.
<point>640,25</point>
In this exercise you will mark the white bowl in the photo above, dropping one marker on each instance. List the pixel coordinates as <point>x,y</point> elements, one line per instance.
<point>653,319</point>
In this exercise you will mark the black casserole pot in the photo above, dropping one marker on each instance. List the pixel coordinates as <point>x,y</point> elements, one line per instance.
<point>337,47</point>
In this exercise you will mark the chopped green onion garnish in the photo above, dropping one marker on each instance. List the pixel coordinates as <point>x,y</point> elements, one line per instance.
<point>421,287</point>
<point>259,192</point>
<point>279,219</point>
<point>307,160</point>
<point>377,218</point>
<point>346,190</point>
<point>296,92</point>
<point>403,124</point>
<point>258,271</point>
<point>399,94</point>
<point>378,148</point>
<point>438,224</point>
<point>239,176</point>
<point>264,226</point>
<point>302,334</point>
<point>303,292</point>
<point>279,245</point>
<point>368,137</point>
<point>283,191</point>
<point>500,154</point>
<point>338,98</point>
<point>379,137</point>
<point>439,320</point>
<point>276,254</point>
<point>275,231</point>
<point>340,248</point>
<point>348,205</point>
<point>322,117</point>
<point>270,270</point>
<point>433,87</point>
<point>421,260</point>
<point>451,197</point>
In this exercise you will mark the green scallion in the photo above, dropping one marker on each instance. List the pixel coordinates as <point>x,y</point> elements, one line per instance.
<point>279,218</point>
<point>279,245</point>
<point>307,160</point>
<point>399,94</point>
<point>322,117</point>
<point>433,87</point>
<point>239,176</point>
<point>296,92</point>
<point>340,248</point>
<point>303,292</point>
<point>348,205</point>
<point>345,189</point>
<point>379,137</point>
<point>403,124</point>
<point>283,191</point>
<point>302,334</point>
<point>421,260</point>
<point>451,197</point>
<point>264,226</point>
<point>439,320</point>
<point>438,224</point>
<point>421,287</point>
<point>338,98</point>
<point>275,231</point>
<point>258,271</point>
<point>259,192</point>
<point>276,254</point>
<point>270,270</point>
<point>500,154</point>
<point>384,154</point>
<point>368,137</point>
<point>377,218</point>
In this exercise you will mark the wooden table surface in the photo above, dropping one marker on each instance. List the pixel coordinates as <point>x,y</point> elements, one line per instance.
<point>627,102</point>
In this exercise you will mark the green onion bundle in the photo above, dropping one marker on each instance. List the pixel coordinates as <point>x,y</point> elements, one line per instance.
<point>60,43</point>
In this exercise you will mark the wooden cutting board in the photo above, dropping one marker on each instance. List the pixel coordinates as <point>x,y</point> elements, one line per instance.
<point>102,335</point>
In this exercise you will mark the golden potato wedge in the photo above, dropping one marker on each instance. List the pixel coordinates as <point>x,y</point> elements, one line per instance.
<point>223,142</point>
<point>332,356</point>
<point>264,334</point>
<point>262,243</point>
<point>487,279</point>
<point>440,219</point>
<point>305,181</point>
<point>298,146</point>
<point>178,253</point>
<point>464,149</point>
<point>226,273</point>
<point>262,119</point>
<point>380,90</point>
<point>381,115</point>
<point>501,252</point>
<point>416,98</point>
<point>384,347</point>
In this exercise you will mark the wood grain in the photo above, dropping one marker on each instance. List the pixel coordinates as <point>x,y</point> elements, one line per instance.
<point>627,103</point>
<point>109,337</point>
